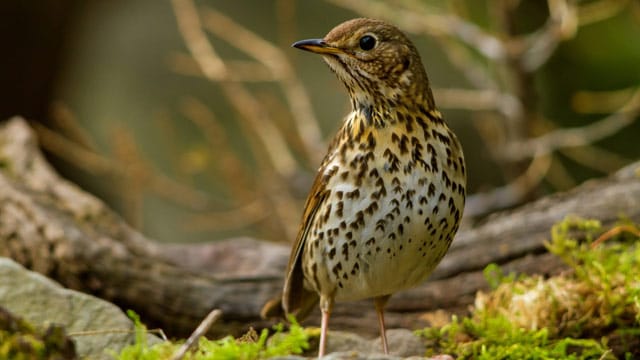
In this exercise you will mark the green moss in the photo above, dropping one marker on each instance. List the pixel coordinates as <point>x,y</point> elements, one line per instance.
<point>19,340</point>
<point>589,312</point>
<point>248,347</point>
<point>496,337</point>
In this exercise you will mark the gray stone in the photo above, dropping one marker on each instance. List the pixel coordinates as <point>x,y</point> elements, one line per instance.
<point>402,343</point>
<point>41,301</point>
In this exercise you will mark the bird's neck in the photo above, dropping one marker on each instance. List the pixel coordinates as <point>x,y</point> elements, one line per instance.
<point>379,112</point>
<point>382,109</point>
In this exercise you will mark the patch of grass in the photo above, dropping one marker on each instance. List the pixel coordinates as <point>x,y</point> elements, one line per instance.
<point>589,312</point>
<point>248,347</point>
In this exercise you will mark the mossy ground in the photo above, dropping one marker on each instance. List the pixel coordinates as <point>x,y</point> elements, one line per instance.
<point>248,347</point>
<point>19,340</point>
<point>591,311</point>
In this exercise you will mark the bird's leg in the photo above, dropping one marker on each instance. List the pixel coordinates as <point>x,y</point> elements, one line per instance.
<point>379,303</point>
<point>326,304</point>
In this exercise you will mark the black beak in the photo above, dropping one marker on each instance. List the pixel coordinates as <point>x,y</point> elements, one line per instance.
<point>317,46</point>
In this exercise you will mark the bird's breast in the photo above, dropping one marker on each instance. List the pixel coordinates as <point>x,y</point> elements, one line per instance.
<point>394,201</point>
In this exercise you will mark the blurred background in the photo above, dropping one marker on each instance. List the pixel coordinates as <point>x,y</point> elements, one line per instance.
<point>197,121</point>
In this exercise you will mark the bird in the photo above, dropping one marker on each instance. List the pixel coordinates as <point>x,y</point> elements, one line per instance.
<point>389,194</point>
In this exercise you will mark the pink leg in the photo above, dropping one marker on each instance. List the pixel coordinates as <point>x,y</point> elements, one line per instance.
<point>379,303</point>
<point>326,304</point>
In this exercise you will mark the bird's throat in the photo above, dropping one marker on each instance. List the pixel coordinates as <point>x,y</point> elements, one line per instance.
<point>366,115</point>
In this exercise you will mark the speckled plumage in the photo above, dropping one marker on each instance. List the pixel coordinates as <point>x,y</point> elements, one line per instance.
<point>389,195</point>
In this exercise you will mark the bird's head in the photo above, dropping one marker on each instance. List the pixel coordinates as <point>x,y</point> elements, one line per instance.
<point>375,61</point>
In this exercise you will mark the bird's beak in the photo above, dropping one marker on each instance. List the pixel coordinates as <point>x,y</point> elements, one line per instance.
<point>317,46</point>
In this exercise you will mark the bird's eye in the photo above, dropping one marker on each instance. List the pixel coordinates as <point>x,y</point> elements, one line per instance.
<point>367,42</point>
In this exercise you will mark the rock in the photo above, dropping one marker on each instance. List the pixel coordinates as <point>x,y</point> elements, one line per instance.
<point>354,355</point>
<point>40,301</point>
<point>403,344</point>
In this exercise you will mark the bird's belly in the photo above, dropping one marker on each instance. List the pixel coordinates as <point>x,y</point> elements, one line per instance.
<point>377,242</point>
<point>396,257</point>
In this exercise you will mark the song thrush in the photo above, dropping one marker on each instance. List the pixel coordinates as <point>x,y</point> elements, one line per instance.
<point>388,197</point>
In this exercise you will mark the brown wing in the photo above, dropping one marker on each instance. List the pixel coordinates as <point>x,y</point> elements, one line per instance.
<point>295,298</point>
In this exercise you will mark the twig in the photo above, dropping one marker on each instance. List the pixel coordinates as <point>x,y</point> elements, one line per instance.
<point>595,11</point>
<point>601,102</point>
<point>158,331</point>
<point>257,121</point>
<point>66,120</point>
<point>565,17</point>
<point>262,126</point>
<point>138,170</point>
<point>189,24</point>
<point>239,70</point>
<point>286,20</point>
<point>234,171</point>
<point>195,336</point>
<point>559,177</point>
<point>243,39</point>
<point>421,19</point>
<point>579,136</point>
<point>474,100</point>
<point>513,79</point>
<point>241,99</point>
<point>263,51</point>
<point>510,194</point>
<point>540,45</point>
<point>460,39</point>
<point>274,59</point>
<point>596,158</point>
<point>236,218</point>
<point>465,60</point>
<point>631,229</point>
<point>491,130</point>
<point>102,166</point>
